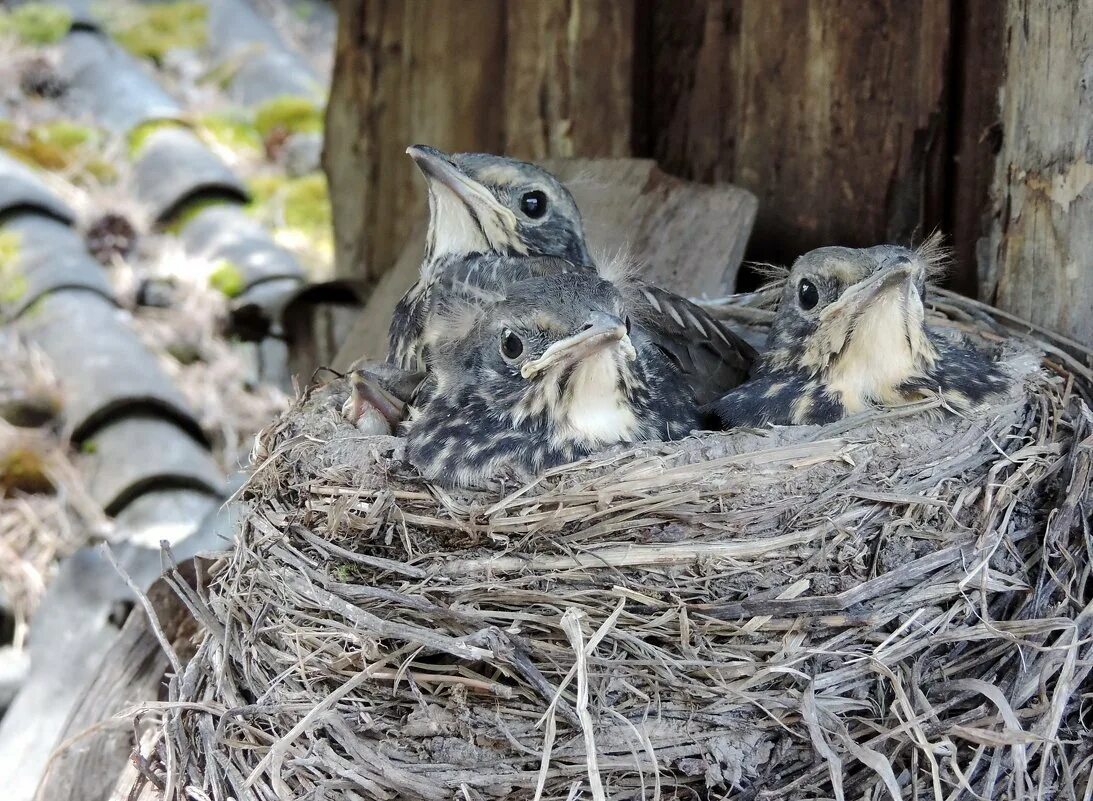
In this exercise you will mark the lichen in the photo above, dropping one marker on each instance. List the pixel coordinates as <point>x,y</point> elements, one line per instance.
<point>23,469</point>
<point>288,114</point>
<point>298,210</point>
<point>227,279</point>
<point>13,284</point>
<point>151,30</point>
<point>36,23</point>
<point>232,131</point>
<point>60,145</point>
<point>139,135</point>
<point>65,134</point>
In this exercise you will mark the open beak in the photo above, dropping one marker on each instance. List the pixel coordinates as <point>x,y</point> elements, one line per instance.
<point>443,175</point>
<point>600,332</point>
<point>368,392</point>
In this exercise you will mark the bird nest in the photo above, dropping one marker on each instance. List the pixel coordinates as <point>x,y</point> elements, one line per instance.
<point>895,605</point>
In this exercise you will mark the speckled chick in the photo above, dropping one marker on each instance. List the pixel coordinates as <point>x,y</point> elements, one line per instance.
<point>850,333</point>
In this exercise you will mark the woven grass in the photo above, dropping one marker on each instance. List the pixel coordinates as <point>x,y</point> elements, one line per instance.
<point>897,605</point>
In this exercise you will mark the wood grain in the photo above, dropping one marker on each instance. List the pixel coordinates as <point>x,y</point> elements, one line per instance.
<point>1041,247</point>
<point>830,112</point>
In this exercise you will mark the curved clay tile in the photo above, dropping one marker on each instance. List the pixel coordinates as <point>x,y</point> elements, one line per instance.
<point>227,233</point>
<point>103,369</point>
<point>174,168</point>
<point>265,67</point>
<point>22,190</point>
<point>48,256</point>
<point>110,86</point>
<point>116,465</point>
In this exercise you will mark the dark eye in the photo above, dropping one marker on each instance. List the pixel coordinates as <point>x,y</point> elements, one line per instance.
<point>628,325</point>
<point>511,346</point>
<point>534,204</point>
<point>807,294</point>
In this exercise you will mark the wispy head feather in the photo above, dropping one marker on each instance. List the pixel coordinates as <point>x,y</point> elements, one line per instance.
<point>771,274</point>
<point>455,318</point>
<point>621,268</point>
<point>936,255</point>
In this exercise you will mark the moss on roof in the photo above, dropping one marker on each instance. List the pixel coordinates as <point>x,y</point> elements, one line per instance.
<point>151,30</point>
<point>289,114</point>
<point>36,23</point>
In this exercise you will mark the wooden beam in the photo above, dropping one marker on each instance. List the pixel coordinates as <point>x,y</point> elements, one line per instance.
<point>1040,257</point>
<point>568,68</point>
<point>831,112</point>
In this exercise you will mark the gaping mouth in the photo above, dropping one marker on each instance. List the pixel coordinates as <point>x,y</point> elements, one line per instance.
<point>441,173</point>
<point>603,331</point>
<point>368,391</point>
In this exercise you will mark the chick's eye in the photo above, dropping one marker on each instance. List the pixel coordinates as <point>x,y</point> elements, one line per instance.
<point>807,294</point>
<point>511,345</point>
<point>534,204</point>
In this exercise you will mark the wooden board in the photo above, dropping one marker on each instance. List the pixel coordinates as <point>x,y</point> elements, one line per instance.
<point>1040,257</point>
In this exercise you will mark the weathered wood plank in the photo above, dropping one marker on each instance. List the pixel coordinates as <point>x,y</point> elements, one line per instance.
<point>832,113</point>
<point>404,73</point>
<point>1040,258</point>
<point>976,127</point>
<point>568,73</point>
<point>132,672</point>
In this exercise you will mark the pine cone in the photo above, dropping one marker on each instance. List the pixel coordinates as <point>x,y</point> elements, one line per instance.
<point>39,78</point>
<point>110,235</point>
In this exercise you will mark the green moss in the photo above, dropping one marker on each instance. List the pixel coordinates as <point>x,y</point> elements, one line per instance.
<point>298,210</point>
<point>13,284</point>
<point>64,134</point>
<point>288,114</point>
<point>10,245</point>
<point>37,23</point>
<point>231,131</point>
<point>343,573</point>
<point>138,137</point>
<point>301,206</point>
<point>60,145</point>
<point>151,30</point>
<point>24,469</point>
<point>307,203</point>
<point>227,279</point>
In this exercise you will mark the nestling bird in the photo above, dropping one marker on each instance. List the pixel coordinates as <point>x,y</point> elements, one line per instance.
<point>850,333</point>
<point>548,374</point>
<point>483,211</point>
<point>495,221</point>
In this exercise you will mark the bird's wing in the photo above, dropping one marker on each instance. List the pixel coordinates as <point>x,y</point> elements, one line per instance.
<point>712,358</point>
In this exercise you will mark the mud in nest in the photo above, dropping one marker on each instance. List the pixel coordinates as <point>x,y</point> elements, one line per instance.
<point>897,605</point>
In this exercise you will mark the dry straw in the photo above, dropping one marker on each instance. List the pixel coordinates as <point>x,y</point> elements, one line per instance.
<point>896,606</point>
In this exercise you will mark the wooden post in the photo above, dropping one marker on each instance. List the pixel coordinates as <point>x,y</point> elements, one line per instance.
<point>404,73</point>
<point>831,112</point>
<point>1039,262</point>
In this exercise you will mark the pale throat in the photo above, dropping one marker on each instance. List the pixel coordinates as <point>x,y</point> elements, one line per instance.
<point>596,408</point>
<point>887,347</point>
<point>452,229</point>
<point>455,231</point>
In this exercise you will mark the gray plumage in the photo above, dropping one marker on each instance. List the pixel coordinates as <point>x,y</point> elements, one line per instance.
<point>851,333</point>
